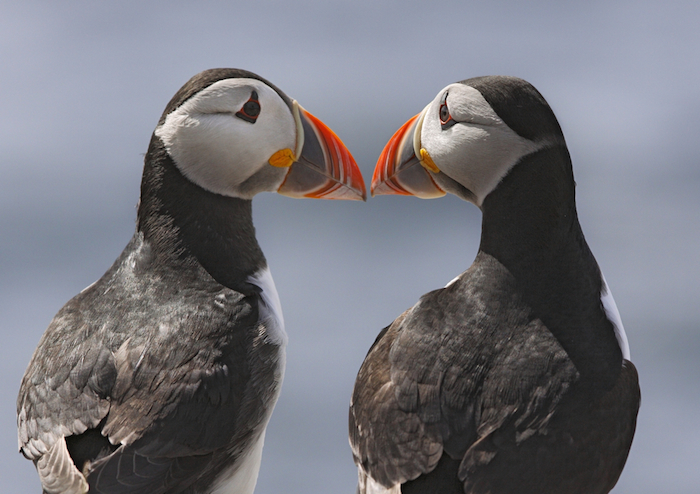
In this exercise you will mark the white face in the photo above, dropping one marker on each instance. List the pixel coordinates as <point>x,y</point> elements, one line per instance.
<point>478,150</point>
<point>220,151</point>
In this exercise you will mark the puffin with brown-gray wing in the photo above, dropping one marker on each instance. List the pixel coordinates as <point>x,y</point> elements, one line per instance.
<point>515,377</point>
<point>162,375</point>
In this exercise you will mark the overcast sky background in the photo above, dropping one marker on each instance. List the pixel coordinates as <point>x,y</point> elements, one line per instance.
<point>82,85</point>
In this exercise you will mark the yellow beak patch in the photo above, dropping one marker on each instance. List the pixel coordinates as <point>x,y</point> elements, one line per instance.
<point>282,158</point>
<point>427,162</point>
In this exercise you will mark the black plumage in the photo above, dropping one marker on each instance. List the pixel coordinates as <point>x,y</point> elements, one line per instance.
<point>162,375</point>
<point>510,379</point>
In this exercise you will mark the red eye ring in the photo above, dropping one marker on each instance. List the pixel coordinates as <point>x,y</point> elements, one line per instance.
<point>444,114</point>
<point>446,120</point>
<point>251,109</point>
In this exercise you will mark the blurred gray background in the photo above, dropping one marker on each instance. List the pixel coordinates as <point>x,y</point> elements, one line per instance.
<point>82,86</point>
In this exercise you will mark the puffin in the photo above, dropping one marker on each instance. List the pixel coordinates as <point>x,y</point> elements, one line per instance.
<point>516,376</point>
<point>161,376</point>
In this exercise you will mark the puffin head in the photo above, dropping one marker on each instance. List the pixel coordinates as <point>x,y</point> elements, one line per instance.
<point>466,140</point>
<point>233,133</point>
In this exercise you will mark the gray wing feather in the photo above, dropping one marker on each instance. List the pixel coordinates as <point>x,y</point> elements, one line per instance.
<point>127,355</point>
<point>65,388</point>
<point>436,382</point>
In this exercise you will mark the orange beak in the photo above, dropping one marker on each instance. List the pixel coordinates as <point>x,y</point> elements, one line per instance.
<point>399,170</point>
<point>324,169</point>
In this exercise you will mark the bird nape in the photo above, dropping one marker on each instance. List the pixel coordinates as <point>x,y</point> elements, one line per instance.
<point>162,375</point>
<point>516,376</point>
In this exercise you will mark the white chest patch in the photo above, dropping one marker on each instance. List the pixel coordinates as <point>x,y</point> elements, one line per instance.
<point>270,306</point>
<point>367,485</point>
<point>614,316</point>
<point>242,477</point>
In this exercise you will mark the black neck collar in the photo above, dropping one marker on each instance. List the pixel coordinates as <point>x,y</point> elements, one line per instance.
<point>186,223</point>
<point>530,226</point>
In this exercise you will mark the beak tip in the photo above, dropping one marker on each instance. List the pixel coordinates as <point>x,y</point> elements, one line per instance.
<point>362,195</point>
<point>324,167</point>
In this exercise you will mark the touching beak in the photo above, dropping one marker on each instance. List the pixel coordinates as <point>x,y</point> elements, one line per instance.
<point>321,167</point>
<point>403,166</point>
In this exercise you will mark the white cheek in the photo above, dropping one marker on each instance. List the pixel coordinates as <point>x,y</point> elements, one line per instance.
<point>476,156</point>
<point>219,151</point>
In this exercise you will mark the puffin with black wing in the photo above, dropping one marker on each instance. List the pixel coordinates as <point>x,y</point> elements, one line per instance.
<point>161,376</point>
<point>515,377</point>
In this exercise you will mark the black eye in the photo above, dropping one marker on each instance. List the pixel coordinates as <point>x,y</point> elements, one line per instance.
<point>250,110</point>
<point>446,120</point>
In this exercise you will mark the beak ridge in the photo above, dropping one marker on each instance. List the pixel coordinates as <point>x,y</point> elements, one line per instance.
<point>399,171</point>
<point>324,167</point>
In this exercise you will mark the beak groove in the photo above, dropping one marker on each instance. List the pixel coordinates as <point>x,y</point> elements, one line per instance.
<point>324,167</point>
<point>400,169</point>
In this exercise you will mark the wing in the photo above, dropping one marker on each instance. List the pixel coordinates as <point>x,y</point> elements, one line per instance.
<point>169,378</point>
<point>451,374</point>
<point>64,392</point>
<point>390,445</point>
